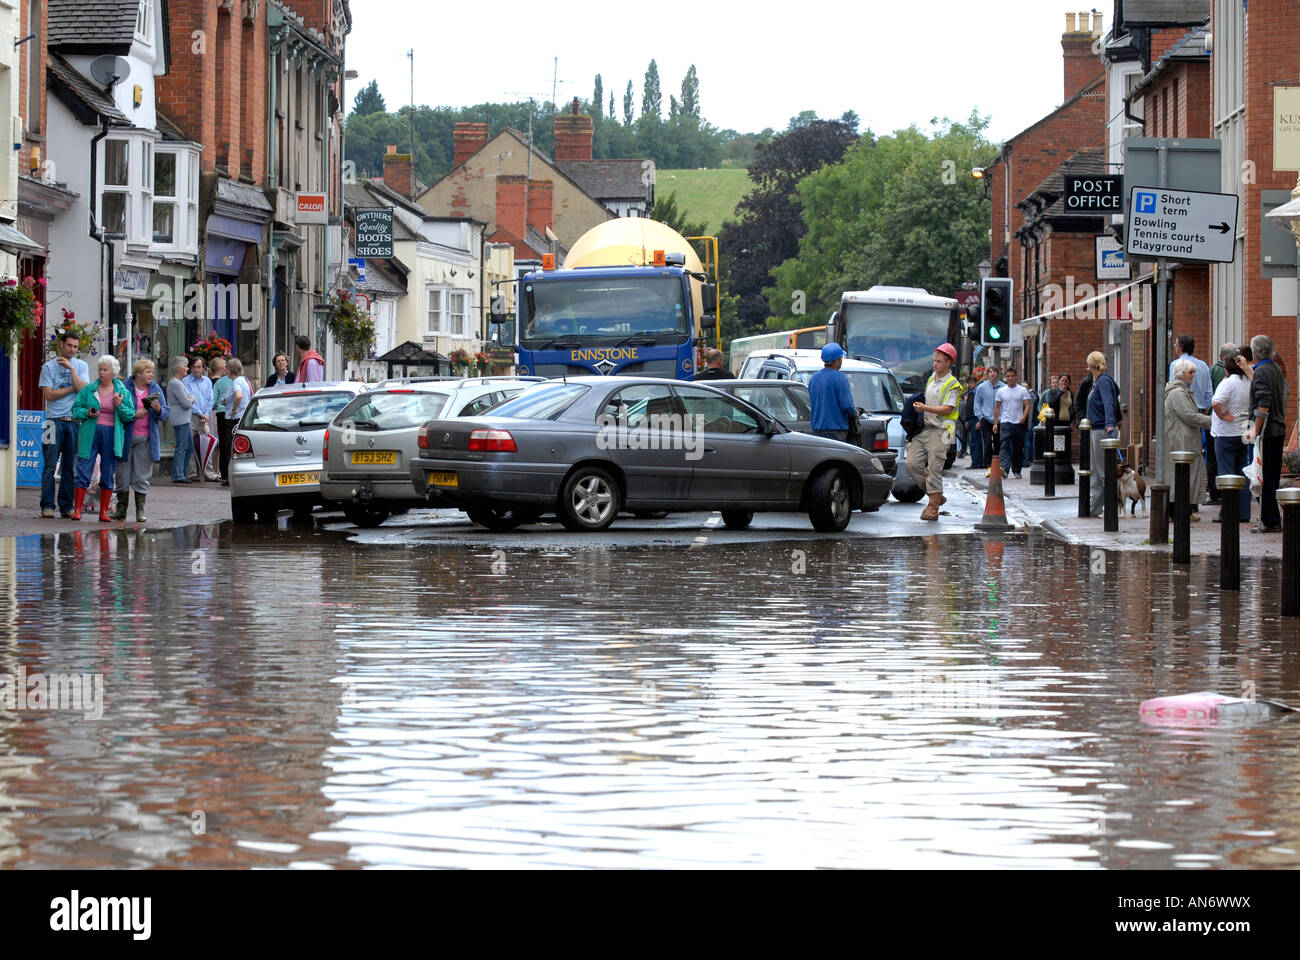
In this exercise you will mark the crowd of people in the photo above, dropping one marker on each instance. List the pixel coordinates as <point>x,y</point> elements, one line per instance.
<point>116,426</point>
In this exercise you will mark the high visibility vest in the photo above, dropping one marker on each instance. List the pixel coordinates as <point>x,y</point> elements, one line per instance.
<point>949,393</point>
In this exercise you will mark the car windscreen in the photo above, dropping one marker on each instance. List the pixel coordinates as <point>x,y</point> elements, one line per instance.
<point>541,403</point>
<point>873,392</point>
<point>294,411</point>
<point>395,410</point>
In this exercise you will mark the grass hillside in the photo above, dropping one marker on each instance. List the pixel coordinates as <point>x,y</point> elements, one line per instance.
<point>708,195</point>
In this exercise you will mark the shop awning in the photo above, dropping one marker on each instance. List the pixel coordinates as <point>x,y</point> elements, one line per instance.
<point>232,228</point>
<point>225,257</point>
<point>16,242</point>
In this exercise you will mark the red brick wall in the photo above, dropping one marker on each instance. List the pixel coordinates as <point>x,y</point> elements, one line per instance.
<point>1192,310</point>
<point>32,125</point>
<point>1082,66</point>
<point>398,170</point>
<point>252,137</point>
<point>469,139</point>
<point>1069,260</point>
<point>573,135</point>
<point>541,204</point>
<point>511,203</point>
<point>187,94</point>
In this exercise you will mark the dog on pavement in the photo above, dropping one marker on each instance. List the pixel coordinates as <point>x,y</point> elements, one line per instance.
<point>1132,490</point>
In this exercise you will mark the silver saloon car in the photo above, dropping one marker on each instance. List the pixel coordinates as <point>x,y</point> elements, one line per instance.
<point>589,447</point>
<point>275,452</point>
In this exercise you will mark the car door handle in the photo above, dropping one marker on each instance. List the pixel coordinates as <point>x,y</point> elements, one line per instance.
<point>710,449</point>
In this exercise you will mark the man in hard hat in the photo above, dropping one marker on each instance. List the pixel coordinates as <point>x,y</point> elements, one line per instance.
<point>832,399</point>
<point>928,450</point>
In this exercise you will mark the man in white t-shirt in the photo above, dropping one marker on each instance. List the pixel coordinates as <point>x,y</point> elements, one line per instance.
<point>1228,423</point>
<point>1011,417</point>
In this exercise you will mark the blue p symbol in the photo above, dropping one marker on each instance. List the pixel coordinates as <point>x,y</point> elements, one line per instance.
<point>1146,202</point>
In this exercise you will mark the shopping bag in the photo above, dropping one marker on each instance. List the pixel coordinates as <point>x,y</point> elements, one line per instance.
<point>1254,472</point>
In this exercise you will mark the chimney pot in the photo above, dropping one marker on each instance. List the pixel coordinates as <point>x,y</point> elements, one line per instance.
<point>1069,23</point>
<point>468,139</point>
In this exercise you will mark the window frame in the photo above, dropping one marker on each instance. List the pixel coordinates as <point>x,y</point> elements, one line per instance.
<point>144,17</point>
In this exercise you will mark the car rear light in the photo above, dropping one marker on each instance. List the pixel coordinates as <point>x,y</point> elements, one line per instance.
<point>492,441</point>
<point>881,442</point>
<point>242,447</point>
<point>424,437</point>
<point>325,451</point>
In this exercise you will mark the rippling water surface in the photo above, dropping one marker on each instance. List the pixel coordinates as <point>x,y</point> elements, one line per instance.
<point>290,698</point>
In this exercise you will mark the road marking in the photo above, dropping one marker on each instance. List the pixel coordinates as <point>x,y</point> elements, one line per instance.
<point>701,541</point>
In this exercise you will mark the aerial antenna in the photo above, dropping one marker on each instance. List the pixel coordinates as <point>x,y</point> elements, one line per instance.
<point>411,55</point>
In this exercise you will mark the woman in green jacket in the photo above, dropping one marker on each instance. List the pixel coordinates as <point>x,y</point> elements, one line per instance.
<point>104,407</point>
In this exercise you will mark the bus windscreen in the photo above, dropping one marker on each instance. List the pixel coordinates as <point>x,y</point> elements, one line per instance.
<point>902,337</point>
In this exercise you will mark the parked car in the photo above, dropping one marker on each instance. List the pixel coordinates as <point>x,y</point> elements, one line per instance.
<point>875,389</point>
<point>370,443</point>
<point>788,401</point>
<point>589,446</point>
<point>275,453</point>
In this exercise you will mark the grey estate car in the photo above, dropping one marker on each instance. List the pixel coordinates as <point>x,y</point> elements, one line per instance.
<point>370,443</point>
<point>587,447</point>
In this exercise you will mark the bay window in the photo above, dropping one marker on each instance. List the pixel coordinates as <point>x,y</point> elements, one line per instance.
<point>164,198</point>
<point>117,177</point>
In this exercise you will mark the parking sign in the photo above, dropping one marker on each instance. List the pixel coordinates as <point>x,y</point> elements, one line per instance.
<point>1145,201</point>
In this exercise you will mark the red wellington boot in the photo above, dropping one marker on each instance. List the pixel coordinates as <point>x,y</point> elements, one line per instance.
<point>78,500</point>
<point>105,498</point>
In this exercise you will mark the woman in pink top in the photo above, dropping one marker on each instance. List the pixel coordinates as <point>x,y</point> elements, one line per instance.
<point>144,446</point>
<point>105,409</point>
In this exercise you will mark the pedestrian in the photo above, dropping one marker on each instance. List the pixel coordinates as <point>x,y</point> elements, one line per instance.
<point>1011,415</point>
<point>144,448</point>
<point>201,420</point>
<point>1104,414</point>
<point>928,450</point>
<point>1031,414</point>
<point>179,404</point>
<point>1231,417</point>
<point>1220,369</point>
<point>714,366</point>
<point>1269,393</point>
<point>986,403</point>
<point>311,365</point>
<point>1203,393</point>
<point>281,375</point>
<point>241,392</point>
<point>1079,410</point>
<point>222,386</point>
<point>62,379</point>
<point>832,397</point>
<point>104,408</point>
<point>967,425</point>
<point>1183,426</point>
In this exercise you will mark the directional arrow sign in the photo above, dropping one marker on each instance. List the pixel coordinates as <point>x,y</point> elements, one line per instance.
<point>1181,225</point>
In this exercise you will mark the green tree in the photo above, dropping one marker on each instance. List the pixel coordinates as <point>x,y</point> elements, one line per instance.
<point>369,100</point>
<point>611,105</point>
<point>627,106</point>
<point>666,211</point>
<point>691,93</point>
<point>652,101</point>
<point>597,98</point>
<point>904,211</point>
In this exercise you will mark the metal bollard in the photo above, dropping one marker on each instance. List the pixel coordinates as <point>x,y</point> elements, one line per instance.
<point>1085,469</point>
<point>1289,501</point>
<point>1230,535</point>
<point>1110,486</point>
<point>1182,505</point>
<point>1159,513</point>
<point>1049,455</point>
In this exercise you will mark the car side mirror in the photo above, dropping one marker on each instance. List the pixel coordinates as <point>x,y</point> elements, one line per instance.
<point>770,428</point>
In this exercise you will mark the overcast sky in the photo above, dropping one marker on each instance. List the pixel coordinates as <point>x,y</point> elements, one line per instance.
<point>759,63</point>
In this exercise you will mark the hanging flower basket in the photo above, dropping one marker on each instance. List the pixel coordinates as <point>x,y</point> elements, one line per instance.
<point>20,311</point>
<point>211,347</point>
<point>350,327</point>
<point>86,334</point>
<point>460,361</point>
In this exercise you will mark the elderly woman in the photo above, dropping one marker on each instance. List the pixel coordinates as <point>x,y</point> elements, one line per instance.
<point>1183,426</point>
<point>179,402</point>
<point>145,446</point>
<point>105,409</point>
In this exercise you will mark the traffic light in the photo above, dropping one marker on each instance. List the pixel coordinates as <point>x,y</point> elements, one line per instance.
<point>995,312</point>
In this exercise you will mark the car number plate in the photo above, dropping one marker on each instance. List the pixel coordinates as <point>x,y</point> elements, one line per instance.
<point>296,479</point>
<point>442,480</point>
<point>382,457</point>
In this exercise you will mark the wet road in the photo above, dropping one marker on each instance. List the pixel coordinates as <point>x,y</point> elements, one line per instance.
<point>311,697</point>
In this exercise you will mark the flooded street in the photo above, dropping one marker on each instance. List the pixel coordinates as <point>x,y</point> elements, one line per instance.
<point>303,698</point>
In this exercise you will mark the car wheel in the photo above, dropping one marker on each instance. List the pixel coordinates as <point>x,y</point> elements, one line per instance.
<point>832,504</point>
<point>364,515</point>
<point>498,519</point>
<point>650,514</point>
<point>589,500</point>
<point>241,511</point>
<point>303,512</point>
<point>871,509</point>
<point>737,519</point>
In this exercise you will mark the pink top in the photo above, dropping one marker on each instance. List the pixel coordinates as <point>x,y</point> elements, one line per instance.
<point>141,414</point>
<point>107,412</point>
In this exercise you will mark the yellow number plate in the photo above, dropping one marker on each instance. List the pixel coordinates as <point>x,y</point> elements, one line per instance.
<point>382,457</point>
<point>296,479</point>
<point>442,480</point>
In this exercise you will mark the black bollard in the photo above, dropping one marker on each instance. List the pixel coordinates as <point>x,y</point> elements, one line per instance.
<point>1230,535</point>
<point>1049,454</point>
<point>1159,513</point>
<point>1110,486</point>
<point>1182,505</point>
<point>1085,468</point>
<point>1289,501</point>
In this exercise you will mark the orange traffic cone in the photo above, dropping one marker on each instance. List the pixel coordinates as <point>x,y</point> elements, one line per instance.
<point>995,509</point>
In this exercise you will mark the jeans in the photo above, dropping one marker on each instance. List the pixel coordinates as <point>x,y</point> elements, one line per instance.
<point>225,436</point>
<point>990,442</point>
<point>975,437</point>
<point>63,433</point>
<point>1012,441</point>
<point>184,451</point>
<point>1269,514</point>
<point>1230,454</point>
<point>102,447</point>
<point>841,435</point>
<point>1212,464</point>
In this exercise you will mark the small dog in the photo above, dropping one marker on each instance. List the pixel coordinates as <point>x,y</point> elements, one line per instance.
<point>1132,489</point>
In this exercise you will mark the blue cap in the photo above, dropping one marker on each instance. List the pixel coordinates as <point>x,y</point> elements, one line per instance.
<point>832,352</point>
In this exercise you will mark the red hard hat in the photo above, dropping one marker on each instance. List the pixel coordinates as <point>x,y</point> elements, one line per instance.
<point>949,349</point>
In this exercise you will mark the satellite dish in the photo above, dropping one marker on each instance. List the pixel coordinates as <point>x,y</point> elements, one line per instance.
<point>108,70</point>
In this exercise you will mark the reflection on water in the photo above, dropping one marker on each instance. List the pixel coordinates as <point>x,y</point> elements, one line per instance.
<point>290,698</point>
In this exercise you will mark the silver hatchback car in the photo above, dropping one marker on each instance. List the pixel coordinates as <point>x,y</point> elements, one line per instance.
<point>275,453</point>
<point>370,443</point>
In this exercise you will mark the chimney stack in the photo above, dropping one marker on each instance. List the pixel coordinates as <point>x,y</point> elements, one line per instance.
<point>1082,63</point>
<point>573,134</point>
<point>541,205</point>
<point>511,215</point>
<point>469,139</point>
<point>399,172</point>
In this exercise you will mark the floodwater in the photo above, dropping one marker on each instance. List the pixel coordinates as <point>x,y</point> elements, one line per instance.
<point>295,698</point>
